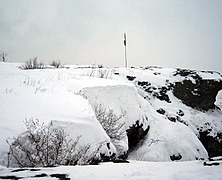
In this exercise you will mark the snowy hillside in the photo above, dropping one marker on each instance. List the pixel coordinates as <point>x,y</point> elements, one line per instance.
<point>170,116</point>
<point>158,122</point>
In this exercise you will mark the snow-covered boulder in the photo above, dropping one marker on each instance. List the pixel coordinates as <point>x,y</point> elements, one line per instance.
<point>124,101</point>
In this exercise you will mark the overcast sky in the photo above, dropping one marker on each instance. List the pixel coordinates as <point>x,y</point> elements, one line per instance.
<point>168,33</point>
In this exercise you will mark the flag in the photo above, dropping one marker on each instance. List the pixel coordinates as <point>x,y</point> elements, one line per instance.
<point>124,42</point>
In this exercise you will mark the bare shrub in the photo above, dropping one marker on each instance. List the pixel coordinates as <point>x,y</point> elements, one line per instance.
<point>44,146</point>
<point>32,64</point>
<point>101,73</point>
<point>3,56</point>
<point>111,123</point>
<point>56,64</point>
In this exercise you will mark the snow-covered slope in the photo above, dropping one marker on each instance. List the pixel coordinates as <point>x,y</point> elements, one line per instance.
<point>158,125</point>
<point>176,127</point>
<point>48,95</point>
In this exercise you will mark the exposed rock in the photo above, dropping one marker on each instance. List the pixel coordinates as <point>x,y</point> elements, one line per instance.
<point>60,176</point>
<point>194,90</point>
<point>186,72</point>
<point>130,78</point>
<point>120,161</point>
<point>172,118</point>
<point>180,113</point>
<point>160,92</point>
<point>175,157</point>
<point>161,111</point>
<point>19,170</point>
<point>211,163</point>
<point>199,95</point>
<point>41,175</point>
<point>10,177</point>
<point>135,134</point>
<point>213,145</point>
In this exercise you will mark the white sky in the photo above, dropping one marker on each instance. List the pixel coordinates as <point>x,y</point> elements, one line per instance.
<point>168,33</point>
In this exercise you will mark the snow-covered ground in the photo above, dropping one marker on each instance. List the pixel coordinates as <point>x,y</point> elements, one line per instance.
<point>188,170</point>
<point>66,97</point>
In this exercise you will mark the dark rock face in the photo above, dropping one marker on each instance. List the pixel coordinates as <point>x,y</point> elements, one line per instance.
<point>135,134</point>
<point>200,95</point>
<point>213,145</point>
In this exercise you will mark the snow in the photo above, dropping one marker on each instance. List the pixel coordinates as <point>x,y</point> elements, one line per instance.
<point>166,138</point>
<point>48,95</point>
<point>134,170</point>
<point>219,99</point>
<point>66,97</point>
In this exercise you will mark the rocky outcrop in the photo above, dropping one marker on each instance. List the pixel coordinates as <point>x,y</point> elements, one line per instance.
<point>198,93</point>
<point>195,89</point>
<point>136,134</point>
<point>201,94</point>
<point>213,145</point>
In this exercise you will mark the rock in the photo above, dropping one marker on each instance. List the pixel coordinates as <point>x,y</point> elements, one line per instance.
<point>211,164</point>
<point>130,78</point>
<point>135,134</point>
<point>161,111</point>
<point>180,113</point>
<point>60,176</point>
<point>19,170</point>
<point>41,175</point>
<point>213,145</point>
<point>172,118</point>
<point>200,95</point>
<point>11,177</point>
<point>176,157</point>
<point>120,161</point>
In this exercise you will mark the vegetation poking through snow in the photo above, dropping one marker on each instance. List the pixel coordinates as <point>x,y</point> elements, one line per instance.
<point>3,56</point>
<point>56,64</point>
<point>46,146</point>
<point>32,64</point>
<point>101,73</point>
<point>111,123</point>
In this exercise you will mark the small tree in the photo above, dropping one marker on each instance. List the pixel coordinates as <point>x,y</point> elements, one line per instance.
<point>3,56</point>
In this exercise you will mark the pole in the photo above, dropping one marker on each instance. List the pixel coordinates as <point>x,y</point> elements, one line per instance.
<point>125,58</point>
<point>125,50</point>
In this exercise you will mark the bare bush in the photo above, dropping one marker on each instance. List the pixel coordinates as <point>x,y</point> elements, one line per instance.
<point>111,123</point>
<point>32,64</point>
<point>45,146</point>
<point>56,64</point>
<point>101,73</point>
<point>3,56</point>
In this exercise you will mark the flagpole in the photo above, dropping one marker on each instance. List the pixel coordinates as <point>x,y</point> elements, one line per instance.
<point>125,58</point>
<point>125,50</point>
